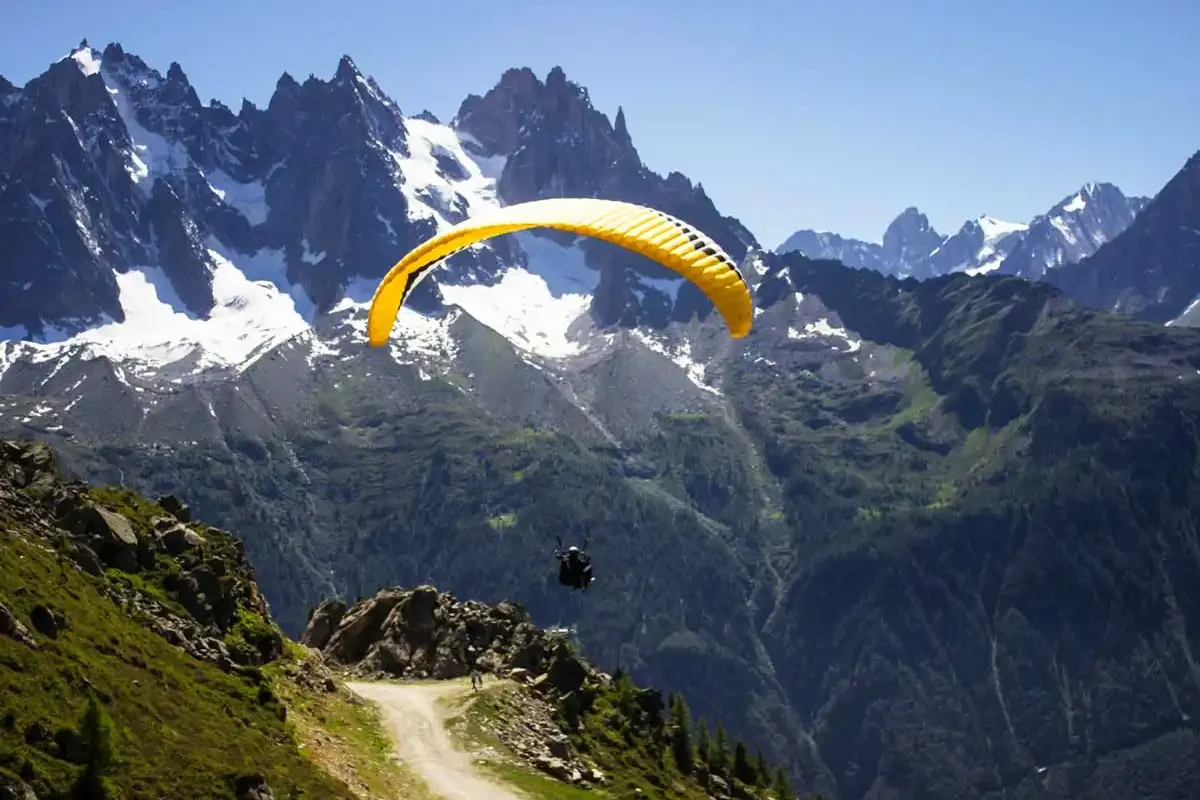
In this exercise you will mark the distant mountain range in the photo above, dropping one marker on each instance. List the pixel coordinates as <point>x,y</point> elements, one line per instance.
<point>1133,255</point>
<point>1073,228</point>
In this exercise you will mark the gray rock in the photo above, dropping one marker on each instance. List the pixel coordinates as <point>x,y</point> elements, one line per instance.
<point>12,627</point>
<point>179,539</point>
<point>323,622</point>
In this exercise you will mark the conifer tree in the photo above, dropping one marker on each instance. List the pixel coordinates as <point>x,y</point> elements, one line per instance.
<point>681,735</point>
<point>703,742</point>
<point>95,747</point>
<point>783,787</point>
<point>762,773</point>
<point>741,764</point>
<point>718,759</point>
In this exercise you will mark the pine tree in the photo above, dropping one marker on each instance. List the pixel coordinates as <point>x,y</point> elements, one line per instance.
<point>741,764</point>
<point>718,759</point>
<point>626,693</point>
<point>762,773</point>
<point>703,742</point>
<point>783,787</point>
<point>681,735</point>
<point>95,747</point>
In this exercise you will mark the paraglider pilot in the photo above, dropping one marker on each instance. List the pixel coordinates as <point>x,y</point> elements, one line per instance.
<point>574,567</point>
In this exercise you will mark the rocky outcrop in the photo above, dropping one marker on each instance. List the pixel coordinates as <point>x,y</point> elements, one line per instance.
<point>12,627</point>
<point>13,788</point>
<point>227,620</point>
<point>424,633</point>
<point>525,724</point>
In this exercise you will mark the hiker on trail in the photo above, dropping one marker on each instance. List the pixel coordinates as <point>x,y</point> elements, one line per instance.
<point>476,675</point>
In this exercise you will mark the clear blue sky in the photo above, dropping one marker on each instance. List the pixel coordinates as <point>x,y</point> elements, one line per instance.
<point>793,113</point>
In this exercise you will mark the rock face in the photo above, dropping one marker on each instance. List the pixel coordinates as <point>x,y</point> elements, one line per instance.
<point>555,143</point>
<point>208,576</point>
<point>1152,270</point>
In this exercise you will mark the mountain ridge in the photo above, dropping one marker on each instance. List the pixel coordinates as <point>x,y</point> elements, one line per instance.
<point>232,173</point>
<point>1064,234</point>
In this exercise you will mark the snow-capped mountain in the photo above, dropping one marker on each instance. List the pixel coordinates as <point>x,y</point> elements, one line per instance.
<point>1073,228</point>
<point>1152,270</point>
<point>1076,227</point>
<point>904,251</point>
<point>979,247</point>
<point>145,226</point>
<point>154,241</point>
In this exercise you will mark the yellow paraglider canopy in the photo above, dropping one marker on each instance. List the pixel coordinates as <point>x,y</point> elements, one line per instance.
<point>659,236</point>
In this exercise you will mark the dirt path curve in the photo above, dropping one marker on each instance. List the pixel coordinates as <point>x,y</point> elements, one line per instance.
<point>417,726</point>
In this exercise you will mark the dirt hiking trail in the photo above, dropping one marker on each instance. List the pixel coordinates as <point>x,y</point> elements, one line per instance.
<point>416,723</point>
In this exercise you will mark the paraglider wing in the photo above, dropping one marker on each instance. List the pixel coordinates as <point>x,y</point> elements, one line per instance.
<point>669,241</point>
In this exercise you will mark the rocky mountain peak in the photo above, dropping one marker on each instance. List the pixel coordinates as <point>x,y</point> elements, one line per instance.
<point>555,143</point>
<point>621,129</point>
<point>909,239</point>
<point>1073,228</point>
<point>1152,268</point>
<point>347,70</point>
<point>496,119</point>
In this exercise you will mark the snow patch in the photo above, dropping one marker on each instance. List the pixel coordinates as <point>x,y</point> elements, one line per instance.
<point>533,307</point>
<point>40,410</point>
<point>681,355</point>
<point>1061,226</point>
<point>822,327</point>
<point>490,166</point>
<point>308,256</point>
<point>252,314</point>
<point>415,337</point>
<point>523,308</point>
<point>11,351</point>
<point>86,58</point>
<point>1077,203</point>
<point>1189,317</point>
<point>150,155</point>
<point>988,266</point>
<point>248,198</point>
<point>431,194</point>
<point>668,286</point>
<point>996,229</point>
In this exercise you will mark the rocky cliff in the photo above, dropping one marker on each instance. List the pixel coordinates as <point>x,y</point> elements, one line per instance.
<point>552,710</point>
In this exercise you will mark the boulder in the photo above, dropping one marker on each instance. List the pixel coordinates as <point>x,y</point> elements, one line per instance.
<point>360,627</point>
<point>44,621</point>
<point>110,526</point>
<point>322,623</point>
<point>13,788</point>
<point>252,787</point>
<point>175,507</point>
<point>179,539</point>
